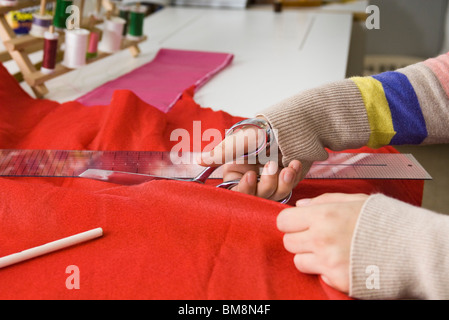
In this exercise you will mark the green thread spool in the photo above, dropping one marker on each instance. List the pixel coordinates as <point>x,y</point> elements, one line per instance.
<point>60,17</point>
<point>124,14</point>
<point>135,27</point>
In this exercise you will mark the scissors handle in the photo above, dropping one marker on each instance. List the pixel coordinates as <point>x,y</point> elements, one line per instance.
<point>266,142</point>
<point>258,123</point>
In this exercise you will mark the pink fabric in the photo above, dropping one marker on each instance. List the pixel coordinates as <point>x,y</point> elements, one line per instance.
<point>161,81</point>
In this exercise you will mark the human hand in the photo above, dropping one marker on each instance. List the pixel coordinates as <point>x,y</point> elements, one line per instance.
<point>319,232</point>
<point>275,182</point>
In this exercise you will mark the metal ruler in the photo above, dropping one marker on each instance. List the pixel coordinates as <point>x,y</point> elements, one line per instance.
<point>71,163</point>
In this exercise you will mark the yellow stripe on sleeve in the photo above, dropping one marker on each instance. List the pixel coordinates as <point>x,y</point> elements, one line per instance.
<point>379,114</point>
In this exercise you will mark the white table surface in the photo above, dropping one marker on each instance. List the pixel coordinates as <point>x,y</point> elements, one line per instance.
<point>275,55</point>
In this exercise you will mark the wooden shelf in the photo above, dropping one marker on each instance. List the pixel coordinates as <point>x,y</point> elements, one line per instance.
<point>22,42</point>
<point>37,78</point>
<point>18,48</point>
<point>21,5</point>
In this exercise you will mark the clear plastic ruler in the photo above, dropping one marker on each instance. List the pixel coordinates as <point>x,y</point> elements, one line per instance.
<point>71,163</point>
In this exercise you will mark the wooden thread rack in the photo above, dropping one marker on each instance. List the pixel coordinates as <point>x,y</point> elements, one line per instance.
<point>19,48</point>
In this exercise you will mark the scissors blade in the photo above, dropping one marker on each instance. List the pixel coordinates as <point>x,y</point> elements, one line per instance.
<point>120,177</point>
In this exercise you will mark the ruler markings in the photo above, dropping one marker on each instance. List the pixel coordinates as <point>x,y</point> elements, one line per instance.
<point>351,165</point>
<point>5,165</point>
<point>29,163</point>
<point>42,162</point>
<point>138,159</point>
<point>70,163</point>
<point>60,156</point>
<point>22,160</point>
<point>35,164</point>
<point>23,164</point>
<point>61,165</point>
<point>55,162</point>
<point>47,165</point>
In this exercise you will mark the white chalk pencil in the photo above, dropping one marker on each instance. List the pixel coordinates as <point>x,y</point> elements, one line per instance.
<point>50,247</point>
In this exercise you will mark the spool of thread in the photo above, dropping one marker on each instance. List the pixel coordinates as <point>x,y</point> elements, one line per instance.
<point>277,6</point>
<point>40,25</point>
<point>93,45</point>
<point>112,35</point>
<point>135,27</point>
<point>60,18</point>
<point>50,51</point>
<point>75,48</point>
<point>124,14</point>
<point>8,3</point>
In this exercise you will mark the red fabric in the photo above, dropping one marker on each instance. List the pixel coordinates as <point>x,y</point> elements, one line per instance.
<point>163,239</point>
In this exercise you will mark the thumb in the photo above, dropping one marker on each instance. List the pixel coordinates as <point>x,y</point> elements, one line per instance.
<point>214,158</point>
<point>233,147</point>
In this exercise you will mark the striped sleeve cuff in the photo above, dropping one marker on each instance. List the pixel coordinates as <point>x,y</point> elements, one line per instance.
<point>409,105</point>
<point>331,116</point>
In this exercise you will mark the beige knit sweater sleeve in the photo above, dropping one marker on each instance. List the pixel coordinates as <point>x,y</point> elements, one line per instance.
<point>398,251</point>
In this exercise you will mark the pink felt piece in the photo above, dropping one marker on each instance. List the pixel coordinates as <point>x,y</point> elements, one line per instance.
<point>161,81</point>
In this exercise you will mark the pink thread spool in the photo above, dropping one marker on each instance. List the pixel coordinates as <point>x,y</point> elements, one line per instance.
<point>50,51</point>
<point>93,45</point>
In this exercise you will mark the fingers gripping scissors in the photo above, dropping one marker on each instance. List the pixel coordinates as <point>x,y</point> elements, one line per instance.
<point>120,177</point>
<point>267,140</point>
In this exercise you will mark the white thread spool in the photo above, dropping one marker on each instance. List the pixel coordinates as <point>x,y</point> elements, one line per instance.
<point>75,48</point>
<point>112,35</point>
<point>8,2</point>
<point>41,21</point>
<point>40,25</point>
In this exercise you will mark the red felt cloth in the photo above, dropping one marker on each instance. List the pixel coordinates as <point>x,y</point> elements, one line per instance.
<point>163,239</point>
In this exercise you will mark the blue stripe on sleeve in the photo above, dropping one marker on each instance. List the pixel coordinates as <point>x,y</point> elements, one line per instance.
<point>408,119</point>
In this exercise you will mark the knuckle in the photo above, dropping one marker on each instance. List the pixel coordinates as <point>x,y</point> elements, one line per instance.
<point>332,260</point>
<point>322,236</point>
<point>266,189</point>
<point>289,243</point>
<point>322,196</point>
<point>321,241</point>
<point>301,263</point>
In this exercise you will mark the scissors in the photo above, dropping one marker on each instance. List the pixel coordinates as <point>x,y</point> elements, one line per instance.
<point>130,178</point>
